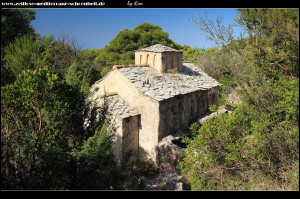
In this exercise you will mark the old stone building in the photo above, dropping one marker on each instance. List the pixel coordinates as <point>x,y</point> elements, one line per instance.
<point>154,98</point>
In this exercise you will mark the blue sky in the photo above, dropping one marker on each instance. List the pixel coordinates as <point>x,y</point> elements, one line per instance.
<point>95,28</point>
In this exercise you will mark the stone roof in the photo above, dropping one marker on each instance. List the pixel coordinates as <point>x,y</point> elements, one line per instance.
<point>158,48</point>
<point>167,85</point>
<point>118,106</point>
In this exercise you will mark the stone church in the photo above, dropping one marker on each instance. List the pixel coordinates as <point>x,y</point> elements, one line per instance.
<point>152,99</point>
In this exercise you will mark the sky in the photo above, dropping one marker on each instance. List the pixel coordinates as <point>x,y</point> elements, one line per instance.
<point>95,28</point>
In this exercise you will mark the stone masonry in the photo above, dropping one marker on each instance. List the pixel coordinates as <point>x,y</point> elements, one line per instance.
<point>153,99</point>
<point>159,57</point>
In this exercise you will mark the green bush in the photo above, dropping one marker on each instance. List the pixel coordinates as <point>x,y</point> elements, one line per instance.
<point>249,149</point>
<point>131,174</point>
<point>213,108</point>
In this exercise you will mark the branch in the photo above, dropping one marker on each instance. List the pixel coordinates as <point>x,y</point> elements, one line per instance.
<point>12,114</point>
<point>40,119</point>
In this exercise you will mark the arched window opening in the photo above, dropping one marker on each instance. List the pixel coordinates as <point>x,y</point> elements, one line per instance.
<point>147,58</point>
<point>140,59</point>
<point>166,63</point>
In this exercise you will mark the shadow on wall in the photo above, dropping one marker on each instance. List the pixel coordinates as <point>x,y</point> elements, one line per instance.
<point>127,156</point>
<point>188,71</point>
<point>126,147</point>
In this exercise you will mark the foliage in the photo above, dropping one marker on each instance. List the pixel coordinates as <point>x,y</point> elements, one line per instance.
<point>257,145</point>
<point>222,99</point>
<point>248,148</point>
<point>24,53</point>
<point>82,74</point>
<point>15,23</point>
<point>44,144</point>
<point>213,108</point>
<point>274,35</point>
<point>194,127</point>
<point>144,167</point>
<point>96,163</point>
<point>61,53</point>
<point>121,49</point>
<point>40,122</point>
<point>132,175</point>
<point>271,43</point>
<point>34,52</point>
<point>6,75</point>
<point>211,62</point>
<point>191,54</point>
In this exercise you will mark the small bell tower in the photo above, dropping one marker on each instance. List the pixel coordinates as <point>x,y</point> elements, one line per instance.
<point>162,58</point>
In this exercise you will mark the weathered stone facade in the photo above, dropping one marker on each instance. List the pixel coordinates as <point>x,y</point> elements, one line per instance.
<point>161,58</point>
<point>150,102</point>
<point>126,124</point>
<point>178,112</point>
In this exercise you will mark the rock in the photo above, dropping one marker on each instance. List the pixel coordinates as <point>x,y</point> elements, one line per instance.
<point>210,115</point>
<point>147,183</point>
<point>168,179</point>
<point>178,178</point>
<point>178,186</point>
<point>234,98</point>
<point>229,107</point>
<point>142,180</point>
<point>167,140</point>
<point>151,186</point>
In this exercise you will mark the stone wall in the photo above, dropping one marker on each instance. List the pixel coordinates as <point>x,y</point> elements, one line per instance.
<point>149,58</point>
<point>161,62</point>
<point>118,152</point>
<point>147,107</point>
<point>171,62</point>
<point>130,139</point>
<point>178,112</point>
<point>126,139</point>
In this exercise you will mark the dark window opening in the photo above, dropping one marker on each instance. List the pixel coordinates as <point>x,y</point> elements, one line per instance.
<point>140,122</point>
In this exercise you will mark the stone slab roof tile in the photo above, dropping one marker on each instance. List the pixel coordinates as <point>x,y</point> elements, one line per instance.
<point>167,85</point>
<point>158,48</point>
<point>118,106</point>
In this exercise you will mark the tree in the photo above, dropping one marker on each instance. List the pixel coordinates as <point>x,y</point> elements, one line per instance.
<point>15,23</point>
<point>257,146</point>
<point>96,162</point>
<point>83,72</point>
<point>27,52</point>
<point>121,49</point>
<point>61,54</point>
<point>249,149</point>
<point>41,121</point>
<point>191,54</point>
<point>35,52</point>
<point>273,33</point>
<point>45,140</point>
<point>24,53</point>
